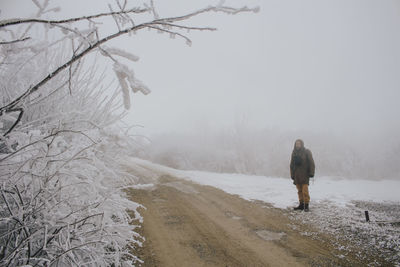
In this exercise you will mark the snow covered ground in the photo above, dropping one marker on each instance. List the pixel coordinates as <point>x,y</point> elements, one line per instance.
<point>337,205</point>
<point>281,193</point>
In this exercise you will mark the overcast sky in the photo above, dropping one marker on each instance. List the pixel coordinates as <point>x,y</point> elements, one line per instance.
<point>298,64</point>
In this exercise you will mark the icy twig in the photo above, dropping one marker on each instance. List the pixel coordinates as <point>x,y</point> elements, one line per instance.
<point>11,22</point>
<point>14,41</point>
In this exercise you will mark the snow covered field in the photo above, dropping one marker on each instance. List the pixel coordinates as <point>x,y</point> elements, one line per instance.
<point>337,205</point>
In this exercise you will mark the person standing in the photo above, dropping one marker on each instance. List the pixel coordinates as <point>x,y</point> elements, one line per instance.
<point>302,167</point>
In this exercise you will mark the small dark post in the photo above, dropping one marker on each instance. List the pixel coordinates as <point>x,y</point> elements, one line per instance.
<point>366,216</point>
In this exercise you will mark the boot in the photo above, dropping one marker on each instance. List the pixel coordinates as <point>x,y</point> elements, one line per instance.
<point>306,209</point>
<point>300,207</point>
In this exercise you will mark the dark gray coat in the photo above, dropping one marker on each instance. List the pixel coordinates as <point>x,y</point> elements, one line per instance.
<point>302,165</point>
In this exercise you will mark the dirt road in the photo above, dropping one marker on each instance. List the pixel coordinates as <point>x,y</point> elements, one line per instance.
<point>186,224</point>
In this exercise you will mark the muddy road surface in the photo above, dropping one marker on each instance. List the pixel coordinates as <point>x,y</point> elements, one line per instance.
<point>186,224</point>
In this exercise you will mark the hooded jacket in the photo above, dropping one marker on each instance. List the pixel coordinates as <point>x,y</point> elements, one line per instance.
<point>302,165</point>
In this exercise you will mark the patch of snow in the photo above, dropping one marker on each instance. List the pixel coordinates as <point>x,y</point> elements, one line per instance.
<point>143,186</point>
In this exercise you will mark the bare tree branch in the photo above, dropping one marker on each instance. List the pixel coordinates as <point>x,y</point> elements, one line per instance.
<point>11,22</point>
<point>188,41</point>
<point>228,10</point>
<point>15,41</point>
<point>21,112</point>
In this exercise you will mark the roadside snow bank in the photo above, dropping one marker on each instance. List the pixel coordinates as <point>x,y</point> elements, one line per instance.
<point>281,193</point>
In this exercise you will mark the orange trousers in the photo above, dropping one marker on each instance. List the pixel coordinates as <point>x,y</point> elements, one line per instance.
<point>302,191</point>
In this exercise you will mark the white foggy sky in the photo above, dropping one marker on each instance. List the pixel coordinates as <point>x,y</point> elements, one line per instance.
<point>298,64</point>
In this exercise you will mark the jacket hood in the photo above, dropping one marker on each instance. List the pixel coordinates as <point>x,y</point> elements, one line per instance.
<point>302,144</point>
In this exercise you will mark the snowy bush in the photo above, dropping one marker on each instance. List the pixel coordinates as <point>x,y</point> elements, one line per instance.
<point>61,200</point>
<point>61,141</point>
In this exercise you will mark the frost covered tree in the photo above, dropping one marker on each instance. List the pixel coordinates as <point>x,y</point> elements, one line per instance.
<point>61,140</point>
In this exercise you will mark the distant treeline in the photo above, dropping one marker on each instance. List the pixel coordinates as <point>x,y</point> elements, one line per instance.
<point>267,152</point>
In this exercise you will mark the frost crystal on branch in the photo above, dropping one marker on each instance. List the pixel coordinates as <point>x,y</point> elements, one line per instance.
<point>124,75</point>
<point>121,53</point>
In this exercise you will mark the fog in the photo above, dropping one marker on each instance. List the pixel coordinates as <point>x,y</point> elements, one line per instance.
<point>324,71</point>
<point>297,65</point>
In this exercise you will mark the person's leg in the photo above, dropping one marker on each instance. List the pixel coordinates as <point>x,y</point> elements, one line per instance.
<point>301,199</point>
<point>300,193</point>
<point>306,196</point>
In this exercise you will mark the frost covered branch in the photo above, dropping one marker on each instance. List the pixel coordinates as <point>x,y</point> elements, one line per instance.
<point>43,139</point>
<point>14,41</point>
<point>64,66</point>
<point>12,22</point>
<point>21,112</point>
<point>219,8</point>
<point>165,22</point>
<point>61,178</point>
